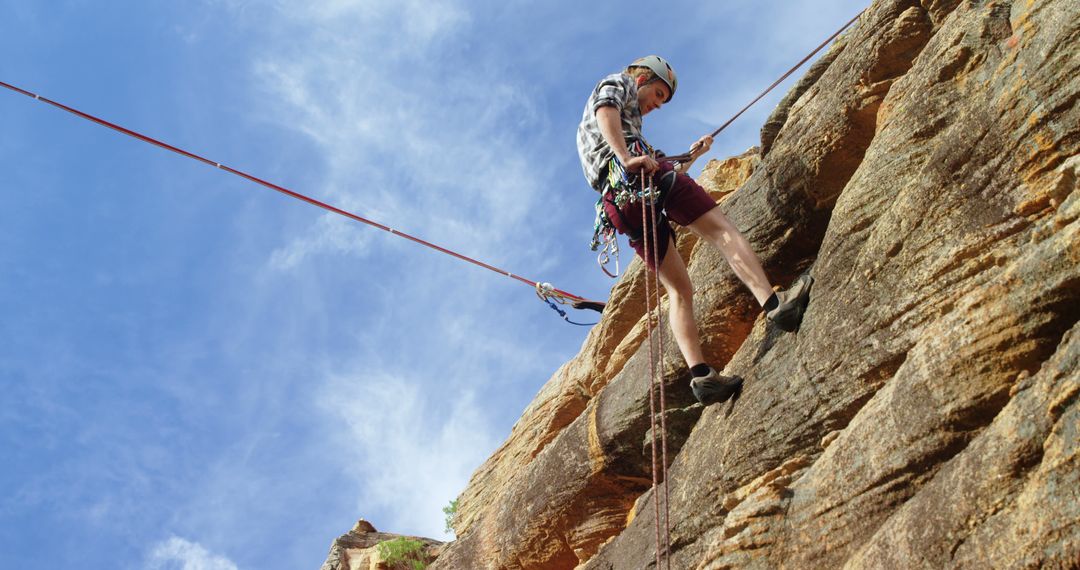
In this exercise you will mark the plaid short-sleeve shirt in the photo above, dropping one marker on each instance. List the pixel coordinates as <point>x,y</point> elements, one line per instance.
<point>617,90</point>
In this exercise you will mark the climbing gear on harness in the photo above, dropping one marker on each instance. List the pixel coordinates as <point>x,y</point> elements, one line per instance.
<point>557,293</point>
<point>661,68</point>
<point>608,237</point>
<point>623,183</point>
<point>619,191</point>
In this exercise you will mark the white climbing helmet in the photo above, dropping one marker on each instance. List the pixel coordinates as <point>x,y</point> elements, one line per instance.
<point>661,68</point>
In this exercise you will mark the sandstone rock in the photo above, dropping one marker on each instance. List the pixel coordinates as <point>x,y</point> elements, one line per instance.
<point>1012,498</point>
<point>722,177</point>
<point>579,489</point>
<point>678,423</point>
<point>358,549</point>
<point>779,115</point>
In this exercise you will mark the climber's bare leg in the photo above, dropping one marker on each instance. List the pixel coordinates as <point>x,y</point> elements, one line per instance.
<point>680,294</point>
<point>714,227</point>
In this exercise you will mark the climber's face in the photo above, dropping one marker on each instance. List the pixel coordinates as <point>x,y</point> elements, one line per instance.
<point>651,95</point>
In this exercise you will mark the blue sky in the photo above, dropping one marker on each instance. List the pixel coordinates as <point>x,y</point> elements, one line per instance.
<point>198,373</point>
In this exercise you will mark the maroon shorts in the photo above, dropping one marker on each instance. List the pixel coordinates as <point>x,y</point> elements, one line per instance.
<point>684,203</point>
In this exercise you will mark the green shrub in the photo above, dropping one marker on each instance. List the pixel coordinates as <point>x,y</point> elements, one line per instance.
<point>402,554</point>
<point>450,511</point>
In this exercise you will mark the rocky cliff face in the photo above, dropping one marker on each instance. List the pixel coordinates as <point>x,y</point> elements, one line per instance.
<point>358,549</point>
<point>925,172</point>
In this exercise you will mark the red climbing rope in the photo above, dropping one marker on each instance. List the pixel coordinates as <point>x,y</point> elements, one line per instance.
<point>648,226</point>
<point>557,294</point>
<point>653,215</point>
<point>652,370</point>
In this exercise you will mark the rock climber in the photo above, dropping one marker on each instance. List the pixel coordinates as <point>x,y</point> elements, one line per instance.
<point>614,154</point>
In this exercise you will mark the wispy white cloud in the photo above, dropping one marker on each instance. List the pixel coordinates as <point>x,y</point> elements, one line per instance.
<point>180,554</point>
<point>433,139</point>
<point>331,234</point>
<point>410,453</point>
<point>453,147</point>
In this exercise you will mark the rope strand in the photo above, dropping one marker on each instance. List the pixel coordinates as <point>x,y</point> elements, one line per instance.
<point>655,220</point>
<point>556,293</point>
<point>652,370</point>
<point>649,226</point>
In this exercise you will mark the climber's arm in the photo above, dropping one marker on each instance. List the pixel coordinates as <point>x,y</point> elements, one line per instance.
<point>699,148</point>
<point>607,117</point>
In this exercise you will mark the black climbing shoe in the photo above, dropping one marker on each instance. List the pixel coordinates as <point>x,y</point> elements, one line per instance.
<point>714,388</point>
<point>788,314</point>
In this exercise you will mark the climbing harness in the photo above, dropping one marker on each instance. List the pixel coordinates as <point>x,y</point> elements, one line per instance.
<point>552,293</point>
<point>619,191</point>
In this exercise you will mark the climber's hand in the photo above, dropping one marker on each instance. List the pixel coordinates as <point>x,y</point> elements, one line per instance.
<point>701,147</point>
<point>645,164</point>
